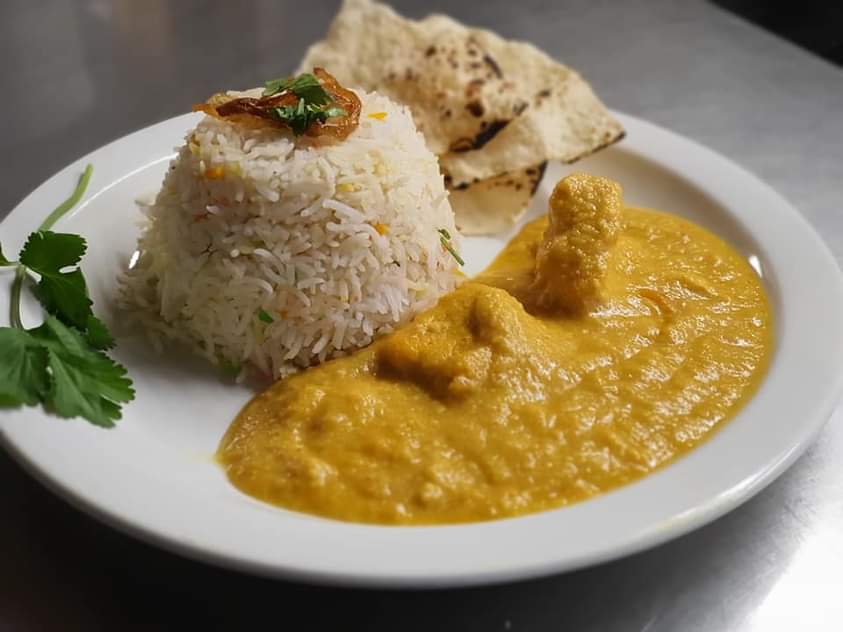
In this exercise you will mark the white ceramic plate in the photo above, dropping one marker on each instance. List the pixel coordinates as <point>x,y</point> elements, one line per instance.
<point>153,475</point>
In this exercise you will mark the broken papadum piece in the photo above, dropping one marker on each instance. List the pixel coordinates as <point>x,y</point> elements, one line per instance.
<point>486,106</point>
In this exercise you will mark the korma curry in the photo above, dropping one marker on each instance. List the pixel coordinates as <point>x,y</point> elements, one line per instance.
<point>601,344</point>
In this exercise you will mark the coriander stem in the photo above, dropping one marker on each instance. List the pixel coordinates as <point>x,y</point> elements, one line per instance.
<point>70,202</point>
<point>47,224</point>
<point>14,303</point>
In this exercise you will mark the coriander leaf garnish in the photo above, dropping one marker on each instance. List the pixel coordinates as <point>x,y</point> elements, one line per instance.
<point>302,115</point>
<point>274,86</point>
<point>65,295</point>
<point>303,104</point>
<point>445,240</point>
<point>84,382</point>
<point>305,86</point>
<point>98,335</point>
<point>61,293</point>
<point>265,317</point>
<point>60,363</point>
<point>47,252</point>
<point>23,368</point>
<point>312,104</point>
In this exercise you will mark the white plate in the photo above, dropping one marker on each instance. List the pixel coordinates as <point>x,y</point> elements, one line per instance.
<point>153,476</point>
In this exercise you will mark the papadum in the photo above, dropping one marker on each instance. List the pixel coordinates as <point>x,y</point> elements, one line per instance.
<point>490,108</point>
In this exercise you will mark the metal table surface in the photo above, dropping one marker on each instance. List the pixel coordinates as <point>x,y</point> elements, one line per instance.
<point>78,74</point>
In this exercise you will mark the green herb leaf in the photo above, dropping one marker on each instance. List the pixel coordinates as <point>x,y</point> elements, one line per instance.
<point>23,368</point>
<point>46,251</point>
<point>3,260</point>
<point>61,293</point>
<point>300,116</point>
<point>311,105</point>
<point>59,363</point>
<point>274,86</point>
<point>305,86</point>
<point>445,240</point>
<point>265,317</point>
<point>65,295</point>
<point>84,382</point>
<point>285,112</point>
<point>97,334</point>
<point>47,224</point>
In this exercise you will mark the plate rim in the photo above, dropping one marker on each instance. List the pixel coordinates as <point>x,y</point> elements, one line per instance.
<point>678,524</point>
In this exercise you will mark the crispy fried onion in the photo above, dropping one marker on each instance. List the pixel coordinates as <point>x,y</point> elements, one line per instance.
<point>260,112</point>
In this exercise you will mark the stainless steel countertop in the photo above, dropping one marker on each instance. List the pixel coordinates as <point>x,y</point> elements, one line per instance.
<point>78,74</point>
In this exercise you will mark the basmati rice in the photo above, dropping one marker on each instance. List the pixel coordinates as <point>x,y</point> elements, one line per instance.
<point>292,250</point>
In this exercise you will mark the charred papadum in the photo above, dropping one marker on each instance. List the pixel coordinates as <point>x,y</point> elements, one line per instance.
<point>492,110</point>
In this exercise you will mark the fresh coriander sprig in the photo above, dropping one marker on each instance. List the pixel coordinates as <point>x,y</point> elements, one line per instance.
<point>47,224</point>
<point>306,86</point>
<point>445,240</point>
<point>313,103</point>
<point>70,202</point>
<point>60,363</point>
<point>300,116</point>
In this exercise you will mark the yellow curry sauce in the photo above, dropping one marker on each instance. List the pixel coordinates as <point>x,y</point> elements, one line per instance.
<point>521,391</point>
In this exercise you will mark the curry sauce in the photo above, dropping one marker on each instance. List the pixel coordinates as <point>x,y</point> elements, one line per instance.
<point>498,402</point>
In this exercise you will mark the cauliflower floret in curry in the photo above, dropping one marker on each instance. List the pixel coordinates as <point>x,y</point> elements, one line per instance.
<point>573,256</point>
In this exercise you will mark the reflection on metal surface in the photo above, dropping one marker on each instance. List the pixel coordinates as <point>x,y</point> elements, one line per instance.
<point>808,594</point>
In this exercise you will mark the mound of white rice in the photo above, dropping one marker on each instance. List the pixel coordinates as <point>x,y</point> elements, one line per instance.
<point>278,252</point>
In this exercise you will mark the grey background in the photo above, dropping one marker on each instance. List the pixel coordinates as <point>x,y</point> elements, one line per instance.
<point>75,75</point>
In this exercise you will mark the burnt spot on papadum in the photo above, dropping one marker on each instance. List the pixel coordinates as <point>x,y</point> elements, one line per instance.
<point>459,186</point>
<point>518,108</point>
<point>461,145</point>
<point>609,140</point>
<point>487,134</point>
<point>491,63</point>
<point>482,137</point>
<point>538,177</point>
<point>473,87</point>
<point>476,108</point>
